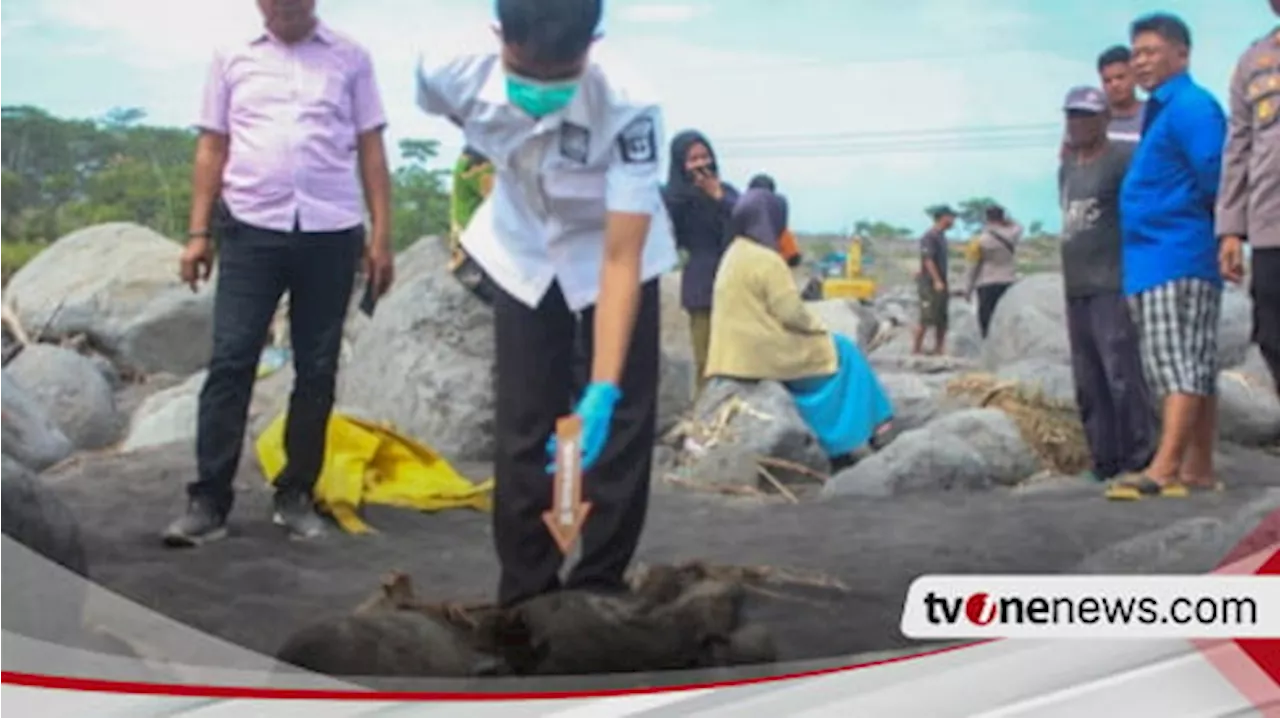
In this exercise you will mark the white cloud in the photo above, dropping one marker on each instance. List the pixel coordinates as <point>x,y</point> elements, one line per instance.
<point>661,13</point>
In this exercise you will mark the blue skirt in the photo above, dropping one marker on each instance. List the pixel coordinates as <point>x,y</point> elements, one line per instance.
<point>845,409</point>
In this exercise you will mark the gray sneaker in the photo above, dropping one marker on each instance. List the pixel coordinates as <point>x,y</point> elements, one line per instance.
<point>297,514</point>
<point>199,525</point>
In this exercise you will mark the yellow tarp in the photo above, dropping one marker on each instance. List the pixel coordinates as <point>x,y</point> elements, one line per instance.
<point>368,463</point>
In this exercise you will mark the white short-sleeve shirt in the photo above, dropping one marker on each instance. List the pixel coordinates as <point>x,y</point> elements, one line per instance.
<point>556,177</point>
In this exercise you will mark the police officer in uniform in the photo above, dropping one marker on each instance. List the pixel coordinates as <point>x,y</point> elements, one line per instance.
<point>575,229</point>
<point>1249,197</point>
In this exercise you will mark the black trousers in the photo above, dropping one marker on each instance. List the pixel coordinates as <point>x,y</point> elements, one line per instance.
<point>988,297</point>
<point>1111,390</point>
<point>1265,289</point>
<point>536,385</point>
<point>255,268</point>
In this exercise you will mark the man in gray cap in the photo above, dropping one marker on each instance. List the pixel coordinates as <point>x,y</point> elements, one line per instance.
<point>1111,390</point>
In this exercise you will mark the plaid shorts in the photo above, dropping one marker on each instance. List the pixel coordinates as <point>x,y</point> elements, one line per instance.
<point>1178,327</point>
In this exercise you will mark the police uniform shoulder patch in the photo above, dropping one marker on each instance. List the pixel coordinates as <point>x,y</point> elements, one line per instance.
<point>638,142</point>
<point>575,143</point>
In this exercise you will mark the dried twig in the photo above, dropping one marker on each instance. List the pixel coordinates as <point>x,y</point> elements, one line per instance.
<point>792,466</point>
<point>14,326</point>
<point>995,391</point>
<point>782,489</point>
<point>716,428</point>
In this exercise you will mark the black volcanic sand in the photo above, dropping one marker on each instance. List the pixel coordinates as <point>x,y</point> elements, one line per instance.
<point>256,587</point>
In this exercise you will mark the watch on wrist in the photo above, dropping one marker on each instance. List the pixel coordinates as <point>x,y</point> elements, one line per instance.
<point>199,234</point>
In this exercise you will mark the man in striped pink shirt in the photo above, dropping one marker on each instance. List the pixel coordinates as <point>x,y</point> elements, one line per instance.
<point>290,144</point>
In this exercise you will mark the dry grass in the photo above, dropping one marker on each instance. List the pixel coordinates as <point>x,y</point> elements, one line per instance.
<point>1051,428</point>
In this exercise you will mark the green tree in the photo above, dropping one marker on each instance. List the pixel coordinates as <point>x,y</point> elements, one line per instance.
<point>972,213</point>
<point>62,174</point>
<point>420,201</point>
<point>879,230</point>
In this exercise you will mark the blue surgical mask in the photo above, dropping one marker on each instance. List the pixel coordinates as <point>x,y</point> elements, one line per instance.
<point>540,99</point>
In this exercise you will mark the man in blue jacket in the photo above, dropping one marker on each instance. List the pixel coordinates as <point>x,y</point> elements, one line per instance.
<point>1171,273</point>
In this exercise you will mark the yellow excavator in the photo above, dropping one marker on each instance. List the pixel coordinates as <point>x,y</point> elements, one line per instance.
<point>842,275</point>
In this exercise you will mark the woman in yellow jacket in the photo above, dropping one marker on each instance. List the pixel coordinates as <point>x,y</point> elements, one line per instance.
<point>761,330</point>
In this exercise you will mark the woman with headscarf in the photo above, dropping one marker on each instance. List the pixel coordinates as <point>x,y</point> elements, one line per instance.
<point>699,204</point>
<point>787,245</point>
<point>762,330</point>
<point>993,268</point>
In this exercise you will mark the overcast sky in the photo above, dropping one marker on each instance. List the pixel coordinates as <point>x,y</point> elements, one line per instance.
<point>859,108</point>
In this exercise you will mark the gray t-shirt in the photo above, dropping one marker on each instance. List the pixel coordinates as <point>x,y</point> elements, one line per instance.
<point>1090,199</point>
<point>1127,129</point>
<point>933,245</point>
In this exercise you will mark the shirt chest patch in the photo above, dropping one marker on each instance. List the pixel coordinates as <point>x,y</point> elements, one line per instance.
<point>638,142</point>
<point>575,143</point>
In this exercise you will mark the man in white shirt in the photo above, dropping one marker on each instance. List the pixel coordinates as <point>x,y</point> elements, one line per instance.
<point>575,224</point>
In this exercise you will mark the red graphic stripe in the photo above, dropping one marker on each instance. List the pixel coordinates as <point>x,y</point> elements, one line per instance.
<point>1266,652</point>
<point>1252,665</point>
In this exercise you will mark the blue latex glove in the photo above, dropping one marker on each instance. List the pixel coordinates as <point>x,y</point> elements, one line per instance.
<point>595,408</point>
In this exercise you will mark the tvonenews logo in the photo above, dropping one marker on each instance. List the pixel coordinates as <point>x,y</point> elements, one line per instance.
<point>1093,607</point>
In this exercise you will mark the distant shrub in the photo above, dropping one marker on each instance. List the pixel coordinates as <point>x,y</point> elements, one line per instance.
<point>13,255</point>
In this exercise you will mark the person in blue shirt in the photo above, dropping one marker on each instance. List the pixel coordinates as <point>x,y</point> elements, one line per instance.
<point>1170,269</point>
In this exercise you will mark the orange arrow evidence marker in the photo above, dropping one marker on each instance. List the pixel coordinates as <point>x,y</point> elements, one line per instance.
<point>568,512</point>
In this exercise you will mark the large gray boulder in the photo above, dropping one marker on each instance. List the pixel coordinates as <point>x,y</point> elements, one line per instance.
<point>995,436</point>
<point>1248,410</point>
<point>31,436</point>
<point>677,372</point>
<point>964,335</point>
<point>170,416</point>
<point>1030,322</point>
<point>425,361</point>
<point>1055,380</point>
<point>918,461</point>
<point>972,449</point>
<point>1255,369</point>
<point>735,423</point>
<point>40,599</point>
<point>74,391</point>
<point>917,398</point>
<point>847,317</point>
<point>118,284</point>
<point>1235,326</point>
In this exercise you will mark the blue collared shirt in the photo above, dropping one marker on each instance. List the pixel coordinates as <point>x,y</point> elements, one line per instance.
<point>1168,195</point>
